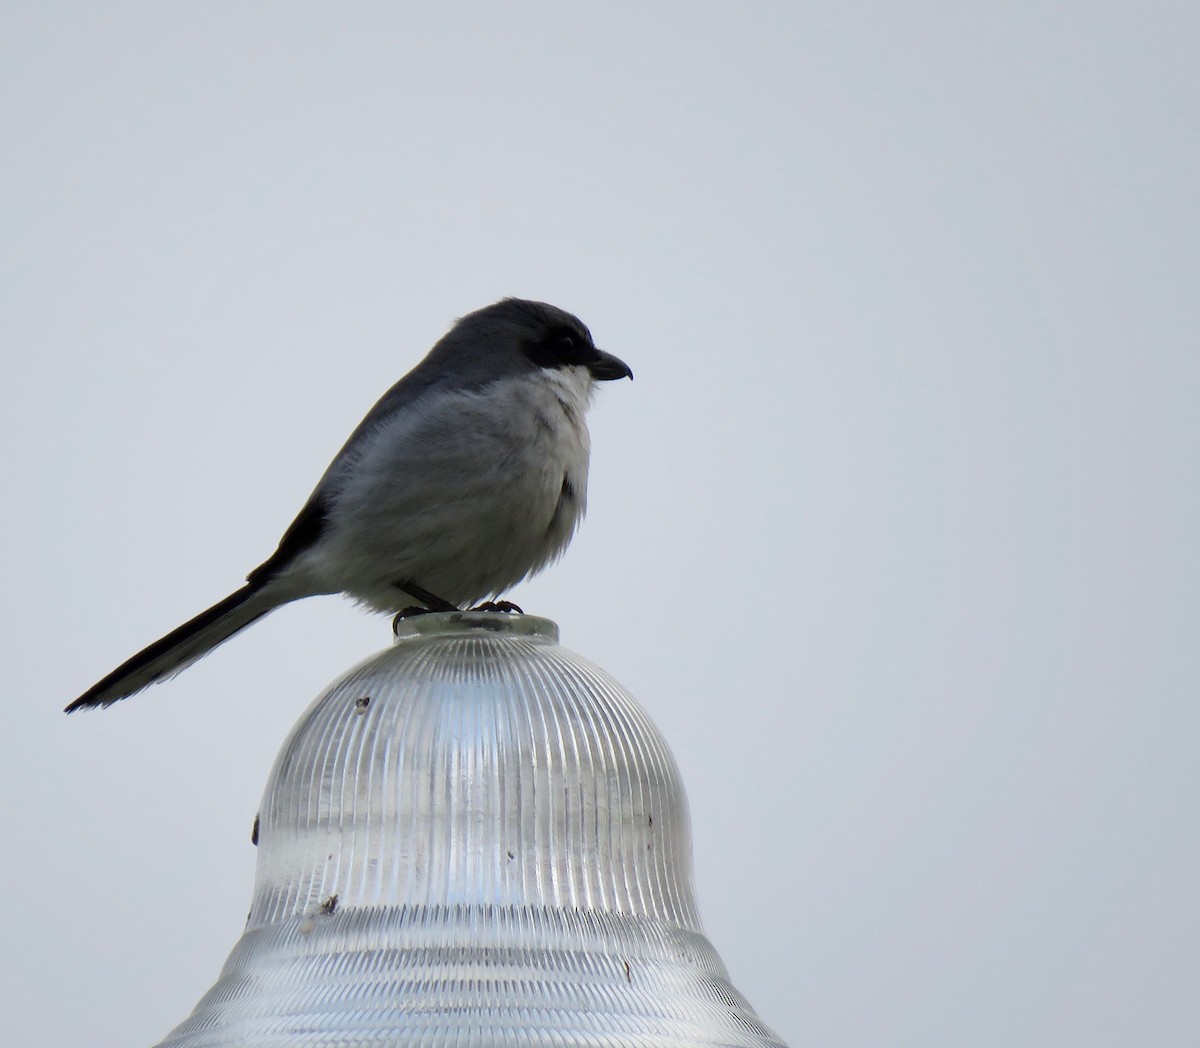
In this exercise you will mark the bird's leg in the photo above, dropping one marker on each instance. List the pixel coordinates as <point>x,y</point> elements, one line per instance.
<point>431,601</point>
<point>499,605</point>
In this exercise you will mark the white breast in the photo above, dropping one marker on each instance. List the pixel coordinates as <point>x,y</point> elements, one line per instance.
<point>465,495</point>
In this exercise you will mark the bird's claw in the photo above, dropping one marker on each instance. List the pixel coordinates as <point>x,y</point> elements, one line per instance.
<point>410,612</point>
<point>506,606</point>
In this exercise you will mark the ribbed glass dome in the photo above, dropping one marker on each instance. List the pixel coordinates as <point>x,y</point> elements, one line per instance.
<point>475,838</point>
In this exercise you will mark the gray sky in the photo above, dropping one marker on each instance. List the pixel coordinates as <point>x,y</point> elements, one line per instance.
<point>894,535</point>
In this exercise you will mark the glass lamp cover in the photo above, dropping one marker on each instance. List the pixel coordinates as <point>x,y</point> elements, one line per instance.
<point>474,838</point>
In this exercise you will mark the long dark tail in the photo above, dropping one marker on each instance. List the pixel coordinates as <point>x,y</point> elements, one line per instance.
<point>183,646</point>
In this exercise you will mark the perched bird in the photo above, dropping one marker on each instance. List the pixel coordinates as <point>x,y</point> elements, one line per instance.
<point>469,475</point>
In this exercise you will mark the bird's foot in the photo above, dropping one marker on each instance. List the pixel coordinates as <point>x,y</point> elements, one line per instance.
<point>430,602</point>
<point>409,613</point>
<point>506,606</point>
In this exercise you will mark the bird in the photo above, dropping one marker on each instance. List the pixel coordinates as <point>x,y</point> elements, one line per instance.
<point>466,477</point>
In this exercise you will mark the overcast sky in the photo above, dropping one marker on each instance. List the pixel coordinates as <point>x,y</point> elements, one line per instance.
<point>894,536</point>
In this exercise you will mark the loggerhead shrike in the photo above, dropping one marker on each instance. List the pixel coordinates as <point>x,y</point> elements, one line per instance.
<point>469,475</point>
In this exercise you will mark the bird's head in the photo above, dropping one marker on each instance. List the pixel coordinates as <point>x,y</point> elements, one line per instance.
<point>520,333</point>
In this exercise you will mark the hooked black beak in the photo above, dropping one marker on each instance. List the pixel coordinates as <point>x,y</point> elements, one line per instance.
<point>606,367</point>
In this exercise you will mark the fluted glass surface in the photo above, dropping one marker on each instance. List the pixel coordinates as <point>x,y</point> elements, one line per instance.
<point>474,838</point>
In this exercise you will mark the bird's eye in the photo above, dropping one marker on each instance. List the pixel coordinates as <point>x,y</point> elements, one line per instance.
<point>558,349</point>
